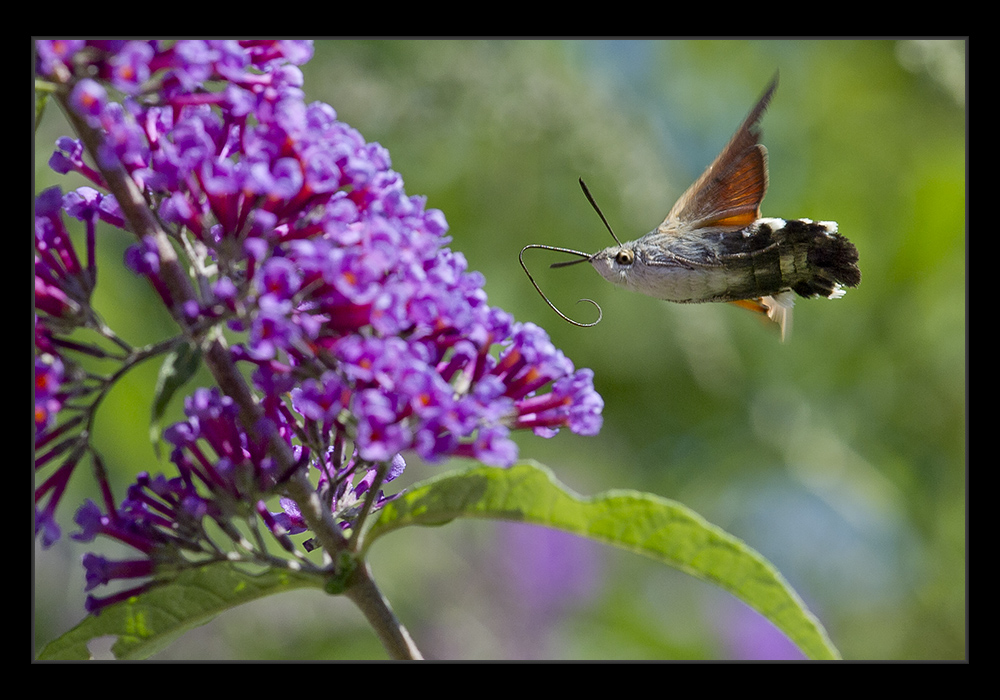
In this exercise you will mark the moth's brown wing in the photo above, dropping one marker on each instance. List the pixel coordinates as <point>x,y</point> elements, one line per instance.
<point>729,192</point>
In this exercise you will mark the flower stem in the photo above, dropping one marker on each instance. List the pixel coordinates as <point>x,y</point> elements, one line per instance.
<point>366,595</point>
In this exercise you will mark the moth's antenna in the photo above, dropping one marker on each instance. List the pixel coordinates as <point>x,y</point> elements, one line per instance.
<point>590,198</point>
<point>583,256</point>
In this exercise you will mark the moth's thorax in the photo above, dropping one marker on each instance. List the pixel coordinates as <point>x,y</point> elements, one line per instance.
<point>719,264</point>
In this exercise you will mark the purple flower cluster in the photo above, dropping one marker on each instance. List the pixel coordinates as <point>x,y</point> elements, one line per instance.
<point>63,286</point>
<point>223,475</point>
<point>344,276</point>
<point>52,389</point>
<point>48,398</point>
<point>360,324</point>
<point>346,497</point>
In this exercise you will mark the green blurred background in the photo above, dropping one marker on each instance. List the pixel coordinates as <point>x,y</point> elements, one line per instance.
<point>840,455</point>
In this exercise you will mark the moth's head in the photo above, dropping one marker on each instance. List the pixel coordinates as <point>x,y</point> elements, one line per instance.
<point>614,263</point>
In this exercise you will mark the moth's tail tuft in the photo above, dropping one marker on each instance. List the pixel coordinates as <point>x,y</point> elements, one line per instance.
<point>814,259</point>
<point>831,261</point>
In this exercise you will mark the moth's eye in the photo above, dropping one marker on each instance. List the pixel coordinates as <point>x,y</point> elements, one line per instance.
<point>625,257</point>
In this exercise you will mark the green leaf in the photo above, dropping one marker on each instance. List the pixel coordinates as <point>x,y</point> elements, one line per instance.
<point>178,367</point>
<point>149,622</point>
<point>42,91</point>
<point>643,523</point>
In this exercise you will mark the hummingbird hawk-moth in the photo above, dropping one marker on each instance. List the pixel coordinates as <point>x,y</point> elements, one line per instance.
<point>715,246</point>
